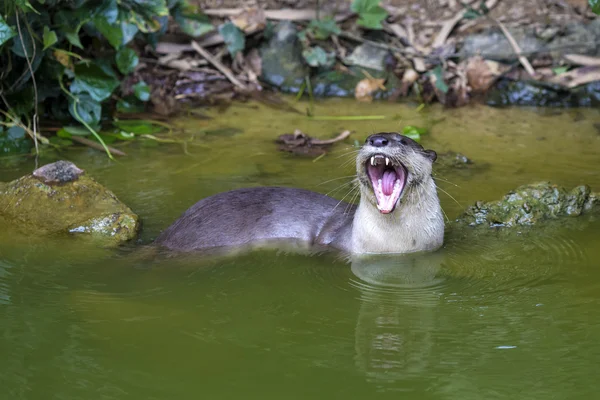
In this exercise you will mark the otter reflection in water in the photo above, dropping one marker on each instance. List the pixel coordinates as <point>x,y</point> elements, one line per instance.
<point>398,212</point>
<point>397,317</point>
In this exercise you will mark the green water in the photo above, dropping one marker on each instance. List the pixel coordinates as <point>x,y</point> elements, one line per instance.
<point>486,317</point>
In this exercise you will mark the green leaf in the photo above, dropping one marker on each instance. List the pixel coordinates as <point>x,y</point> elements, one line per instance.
<point>6,32</point>
<point>93,80</point>
<point>112,32</point>
<point>440,84</point>
<point>130,104</point>
<point>193,24</point>
<point>560,70</point>
<point>233,36</point>
<point>142,91</point>
<point>595,5</point>
<point>138,126</point>
<point>73,38</point>
<point>49,38</point>
<point>126,60</point>
<point>471,14</point>
<point>370,14</point>
<point>23,40</point>
<point>323,29</point>
<point>317,57</point>
<point>413,132</point>
<point>68,131</point>
<point>15,132</point>
<point>85,109</point>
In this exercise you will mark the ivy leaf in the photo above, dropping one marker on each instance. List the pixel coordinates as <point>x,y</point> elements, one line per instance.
<point>323,29</point>
<point>233,36</point>
<point>112,32</point>
<point>317,57</point>
<point>142,91</point>
<point>370,14</point>
<point>6,32</point>
<point>49,38</point>
<point>73,38</point>
<point>193,24</point>
<point>595,5</point>
<point>126,60</point>
<point>85,109</point>
<point>129,104</point>
<point>66,132</point>
<point>138,126</point>
<point>93,80</point>
<point>440,84</point>
<point>23,41</point>
<point>413,132</point>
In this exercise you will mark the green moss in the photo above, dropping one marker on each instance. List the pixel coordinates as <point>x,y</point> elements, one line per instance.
<point>529,204</point>
<point>81,206</point>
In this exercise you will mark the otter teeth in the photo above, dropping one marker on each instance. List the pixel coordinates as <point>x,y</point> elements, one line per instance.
<point>373,161</point>
<point>387,161</point>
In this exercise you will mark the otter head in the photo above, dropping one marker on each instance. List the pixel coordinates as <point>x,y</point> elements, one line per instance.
<point>390,164</point>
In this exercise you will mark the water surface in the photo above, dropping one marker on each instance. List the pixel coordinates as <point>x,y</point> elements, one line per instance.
<point>488,316</point>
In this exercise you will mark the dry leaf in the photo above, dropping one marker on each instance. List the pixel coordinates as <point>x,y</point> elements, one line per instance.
<point>63,58</point>
<point>254,61</point>
<point>481,74</point>
<point>366,87</point>
<point>250,20</point>
<point>409,77</point>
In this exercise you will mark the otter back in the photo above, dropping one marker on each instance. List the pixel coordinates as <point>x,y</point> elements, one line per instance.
<point>256,216</point>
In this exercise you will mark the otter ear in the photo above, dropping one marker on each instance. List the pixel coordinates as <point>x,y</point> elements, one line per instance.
<point>432,155</point>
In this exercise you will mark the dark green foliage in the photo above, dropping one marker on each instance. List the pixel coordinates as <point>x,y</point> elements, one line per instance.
<point>595,5</point>
<point>370,14</point>
<point>323,29</point>
<point>78,52</point>
<point>317,57</point>
<point>233,36</point>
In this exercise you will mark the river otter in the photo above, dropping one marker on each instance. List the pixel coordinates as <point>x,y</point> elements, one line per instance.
<point>399,210</point>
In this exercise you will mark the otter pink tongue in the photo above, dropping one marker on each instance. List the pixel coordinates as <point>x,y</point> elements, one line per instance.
<point>387,182</point>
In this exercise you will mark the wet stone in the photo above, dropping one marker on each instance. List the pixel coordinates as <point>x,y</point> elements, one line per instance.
<point>282,63</point>
<point>530,204</point>
<point>368,56</point>
<point>58,172</point>
<point>542,94</point>
<point>60,198</point>
<point>493,45</point>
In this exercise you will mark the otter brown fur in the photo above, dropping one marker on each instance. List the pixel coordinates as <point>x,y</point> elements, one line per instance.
<point>399,210</point>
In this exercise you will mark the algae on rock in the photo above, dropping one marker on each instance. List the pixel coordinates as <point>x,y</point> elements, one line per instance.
<point>529,204</point>
<point>60,198</point>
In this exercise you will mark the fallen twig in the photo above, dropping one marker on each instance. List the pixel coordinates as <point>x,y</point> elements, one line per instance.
<point>580,59</point>
<point>513,43</point>
<point>447,28</point>
<point>338,138</point>
<point>224,70</point>
<point>578,76</point>
<point>97,146</point>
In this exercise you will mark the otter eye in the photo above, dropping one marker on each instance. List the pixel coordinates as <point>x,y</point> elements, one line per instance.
<point>403,141</point>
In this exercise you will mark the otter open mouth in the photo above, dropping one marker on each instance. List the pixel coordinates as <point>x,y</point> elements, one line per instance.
<point>388,180</point>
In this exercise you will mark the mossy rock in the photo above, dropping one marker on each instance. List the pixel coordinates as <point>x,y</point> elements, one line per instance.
<point>61,198</point>
<point>530,204</point>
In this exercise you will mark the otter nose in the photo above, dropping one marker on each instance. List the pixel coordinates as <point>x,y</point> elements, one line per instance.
<point>378,141</point>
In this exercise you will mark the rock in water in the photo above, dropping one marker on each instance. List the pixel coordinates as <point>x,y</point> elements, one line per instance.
<point>530,204</point>
<point>61,198</point>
